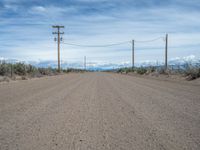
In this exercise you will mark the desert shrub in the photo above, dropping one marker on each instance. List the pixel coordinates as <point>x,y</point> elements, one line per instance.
<point>47,71</point>
<point>151,69</point>
<point>65,71</point>
<point>19,69</point>
<point>162,70</point>
<point>31,69</point>
<point>126,70</point>
<point>4,69</point>
<point>44,71</point>
<point>73,70</point>
<point>192,73</point>
<point>119,70</point>
<point>141,70</point>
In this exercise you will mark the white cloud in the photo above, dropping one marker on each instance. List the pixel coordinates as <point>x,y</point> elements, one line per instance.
<point>38,9</point>
<point>11,7</point>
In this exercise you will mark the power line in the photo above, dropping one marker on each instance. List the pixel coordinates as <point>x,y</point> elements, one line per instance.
<point>149,40</point>
<point>106,45</point>
<point>90,58</point>
<point>114,44</point>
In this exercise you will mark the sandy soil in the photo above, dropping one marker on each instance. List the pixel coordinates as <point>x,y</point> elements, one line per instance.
<point>99,111</point>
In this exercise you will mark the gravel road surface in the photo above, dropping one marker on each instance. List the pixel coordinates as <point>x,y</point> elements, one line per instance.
<point>99,111</point>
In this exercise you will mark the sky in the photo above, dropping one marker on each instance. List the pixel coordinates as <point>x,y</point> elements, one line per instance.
<point>26,29</point>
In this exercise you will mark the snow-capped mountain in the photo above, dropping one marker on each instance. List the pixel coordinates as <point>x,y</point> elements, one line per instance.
<point>188,59</point>
<point>192,60</point>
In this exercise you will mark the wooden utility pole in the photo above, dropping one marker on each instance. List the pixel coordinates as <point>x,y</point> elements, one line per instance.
<point>166,51</point>
<point>11,70</point>
<point>85,63</point>
<point>133,54</point>
<point>58,39</point>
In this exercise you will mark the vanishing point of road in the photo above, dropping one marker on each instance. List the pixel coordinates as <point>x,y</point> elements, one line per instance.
<point>99,111</point>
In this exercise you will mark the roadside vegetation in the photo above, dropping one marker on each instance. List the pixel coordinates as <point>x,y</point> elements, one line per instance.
<point>189,72</point>
<point>22,71</point>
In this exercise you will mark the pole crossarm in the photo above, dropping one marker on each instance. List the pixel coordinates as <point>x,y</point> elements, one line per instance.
<point>57,26</point>
<point>58,32</point>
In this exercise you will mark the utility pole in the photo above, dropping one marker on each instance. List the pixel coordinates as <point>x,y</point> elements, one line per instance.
<point>58,39</point>
<point>166,51</point>
<point>85,63</point>
<point>11,70</point>
<point>133,54</point>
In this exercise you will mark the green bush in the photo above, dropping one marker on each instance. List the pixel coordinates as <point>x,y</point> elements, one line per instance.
<point>126,70</point>
<point>141,70</point>
<point>163,71</point>
<point>19,69</point>
<point>47,71</point>
<point>192,73</point>
<point>31,69</point>
<point>151,69</point>
<point>4,69</point>
<point>73,70</point>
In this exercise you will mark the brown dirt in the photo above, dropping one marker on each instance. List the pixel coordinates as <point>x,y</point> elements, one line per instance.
<point>99,111</point>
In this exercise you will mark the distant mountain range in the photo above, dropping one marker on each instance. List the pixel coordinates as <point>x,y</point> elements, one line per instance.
<point>192,60</point>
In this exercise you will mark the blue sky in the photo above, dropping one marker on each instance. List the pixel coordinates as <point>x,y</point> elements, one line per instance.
<point>26,33</point>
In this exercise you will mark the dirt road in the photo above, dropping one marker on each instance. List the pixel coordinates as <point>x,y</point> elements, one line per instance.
<point>99,111</point>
